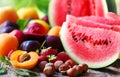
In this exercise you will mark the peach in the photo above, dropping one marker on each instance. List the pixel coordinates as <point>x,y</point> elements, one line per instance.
<point>8,13</point>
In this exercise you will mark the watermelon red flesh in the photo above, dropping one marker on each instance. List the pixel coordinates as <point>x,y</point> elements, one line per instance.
<point>59,9</point>
<point>95,21</point>
<point>96,47</point>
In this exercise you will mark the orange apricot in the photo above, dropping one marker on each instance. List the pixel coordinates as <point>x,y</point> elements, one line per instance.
<point>27,12</point>
<point>54,31</point>
<point>8,13</point>
<point>22,59</point>
<point>8,42</point>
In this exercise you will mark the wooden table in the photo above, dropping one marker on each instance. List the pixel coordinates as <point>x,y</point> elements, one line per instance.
<point>110,71</point>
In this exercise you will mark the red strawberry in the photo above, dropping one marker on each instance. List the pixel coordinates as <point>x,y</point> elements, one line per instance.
<point>42,58</point>
<point>62,56</point>
<point>48,51</point>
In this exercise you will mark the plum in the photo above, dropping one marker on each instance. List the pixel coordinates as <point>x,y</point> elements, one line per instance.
<point>35,29</point>
<point>19,35</point>
<point>34,37</point>
<point>54,42</point>
<point>30,45</point>
<point>45,18</point>
<point>8,26</point>
<point>6,29</point>
<point>9,23</point>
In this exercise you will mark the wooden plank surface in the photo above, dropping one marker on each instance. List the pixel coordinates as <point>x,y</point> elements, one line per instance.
<point>110,71</point>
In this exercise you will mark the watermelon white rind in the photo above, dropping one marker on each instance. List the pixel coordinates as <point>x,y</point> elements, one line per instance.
<point>98,56</point>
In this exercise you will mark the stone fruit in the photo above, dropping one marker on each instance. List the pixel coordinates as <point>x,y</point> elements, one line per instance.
<point>8,13</point>
<point>59,9</point>
<point>54,31</point>
<point>8,42</point>
<point>30,45</point>
<point>8,26</point>
<point>8,23</point>
<point>87,44</point>
<point>35,29</point>
<point>18,34</point>
<point>27,12</point>
<point>6,29</point>
<point>54,42</point>
<point>42,23</point>
<point>22,59</point>
<point>45,18</point>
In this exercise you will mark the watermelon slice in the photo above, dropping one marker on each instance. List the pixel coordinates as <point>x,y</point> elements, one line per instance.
<point>95,46</point>
<point>96,21</point>
<point>59,9</point>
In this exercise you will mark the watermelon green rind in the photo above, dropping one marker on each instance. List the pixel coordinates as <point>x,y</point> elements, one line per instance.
<point>111,4</point>
<point>69,50</point>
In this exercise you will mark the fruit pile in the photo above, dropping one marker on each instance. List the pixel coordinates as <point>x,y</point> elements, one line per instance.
<point>29,42</point>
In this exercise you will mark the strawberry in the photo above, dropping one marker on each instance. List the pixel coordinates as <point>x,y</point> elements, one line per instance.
<point>62,56</point>
<point>48,51</point>
<point>42,58</point>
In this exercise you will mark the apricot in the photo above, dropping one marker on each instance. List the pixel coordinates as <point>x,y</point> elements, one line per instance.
<point>54,31</point>
<point>8,42</point>
<point>8,13</point>
<point>22,59</point>
<point>27,12</point>
<point>43,23</point>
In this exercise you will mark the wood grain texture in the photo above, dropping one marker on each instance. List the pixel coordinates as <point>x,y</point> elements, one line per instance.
<point>110,71</point>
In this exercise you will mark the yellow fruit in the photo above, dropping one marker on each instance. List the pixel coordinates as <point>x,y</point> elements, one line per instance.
<point>27,12</point>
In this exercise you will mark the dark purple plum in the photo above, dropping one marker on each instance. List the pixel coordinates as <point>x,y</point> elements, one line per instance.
<point>19,35</point>
<point>9,23</point>
<point>30,45</point>
<point>34,37</point>
<point>54,42</point>
<point>6,29</point>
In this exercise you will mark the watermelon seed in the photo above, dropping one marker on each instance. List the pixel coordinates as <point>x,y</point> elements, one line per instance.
<point>74,38</point>
<point>106,42</point>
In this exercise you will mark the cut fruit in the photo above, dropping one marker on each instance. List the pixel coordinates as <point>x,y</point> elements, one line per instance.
<point>87,44</point>
<point>59,9</point>
<point>96,21</point>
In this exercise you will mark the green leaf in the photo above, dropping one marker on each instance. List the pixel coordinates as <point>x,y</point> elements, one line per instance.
<point>3,71</point>
<point>25,72</point>
<point>5,59</point>
<point>22,23</point>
